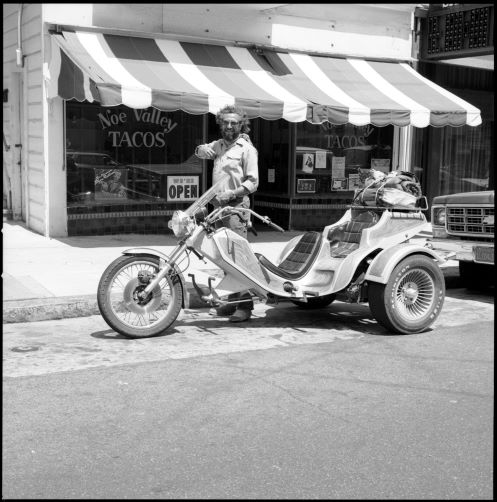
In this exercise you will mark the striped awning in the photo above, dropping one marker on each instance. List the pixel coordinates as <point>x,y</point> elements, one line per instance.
<point>199,78</point>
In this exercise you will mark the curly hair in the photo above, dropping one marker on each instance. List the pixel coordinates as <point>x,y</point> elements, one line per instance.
<point>244,122</point>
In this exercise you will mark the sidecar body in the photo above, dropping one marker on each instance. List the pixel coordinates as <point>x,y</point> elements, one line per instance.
<point>366,256</point>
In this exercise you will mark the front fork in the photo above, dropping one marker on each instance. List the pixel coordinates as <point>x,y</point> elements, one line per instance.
<point>169,265</point>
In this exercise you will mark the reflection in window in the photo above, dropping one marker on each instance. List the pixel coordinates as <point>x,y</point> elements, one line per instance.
<point>272,141</point>
<point>120,155</point>
<point>465,165</point>
<point>333,158</point>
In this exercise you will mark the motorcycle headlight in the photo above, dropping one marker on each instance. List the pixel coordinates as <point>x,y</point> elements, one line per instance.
<point>181,224</point>
<point>439,216</point>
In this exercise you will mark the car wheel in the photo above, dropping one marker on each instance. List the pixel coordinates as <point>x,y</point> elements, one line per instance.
<point>412,298</point>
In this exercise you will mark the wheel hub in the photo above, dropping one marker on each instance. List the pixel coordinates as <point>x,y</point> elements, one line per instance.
<point>135,303</point>
<point>409,293</point>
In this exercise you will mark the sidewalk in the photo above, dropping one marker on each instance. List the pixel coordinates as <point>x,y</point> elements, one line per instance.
<point>47,279</point>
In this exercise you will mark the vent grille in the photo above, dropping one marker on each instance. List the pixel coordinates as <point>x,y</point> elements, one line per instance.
<point>477,221</point>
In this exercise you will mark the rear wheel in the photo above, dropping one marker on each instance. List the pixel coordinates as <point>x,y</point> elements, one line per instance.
<point>122,308</point>
<point>316,302</point>
<point>412,298</point>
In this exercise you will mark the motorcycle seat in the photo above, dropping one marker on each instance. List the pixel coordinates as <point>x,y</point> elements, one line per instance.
<point>300,259</point>
<point>346,238</point>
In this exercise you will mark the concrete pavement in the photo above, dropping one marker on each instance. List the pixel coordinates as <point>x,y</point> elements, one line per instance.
<point>56,278</point>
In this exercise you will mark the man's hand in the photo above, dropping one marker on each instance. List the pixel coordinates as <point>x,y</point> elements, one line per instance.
<point>205,152</point>
<point>224,197</point>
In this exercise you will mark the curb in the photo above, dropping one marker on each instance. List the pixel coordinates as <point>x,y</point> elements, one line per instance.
<point>54,308</point>
<point>51,309</point>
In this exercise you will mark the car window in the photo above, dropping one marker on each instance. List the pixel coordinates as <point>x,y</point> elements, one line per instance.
<point>94,160</point>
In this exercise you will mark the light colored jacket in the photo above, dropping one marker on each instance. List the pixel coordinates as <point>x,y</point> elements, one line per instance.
<point>240,160</point>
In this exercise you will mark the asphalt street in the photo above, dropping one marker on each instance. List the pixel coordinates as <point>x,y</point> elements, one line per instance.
<point>296,404</point>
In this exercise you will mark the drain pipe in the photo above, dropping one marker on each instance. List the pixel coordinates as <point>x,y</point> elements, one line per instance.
<point>19,55</point>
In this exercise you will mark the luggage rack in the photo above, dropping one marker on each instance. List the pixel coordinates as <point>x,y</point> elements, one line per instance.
<point>421,205</point>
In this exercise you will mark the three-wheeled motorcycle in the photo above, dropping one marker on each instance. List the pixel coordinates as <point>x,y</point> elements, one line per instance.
<point>366,256</point>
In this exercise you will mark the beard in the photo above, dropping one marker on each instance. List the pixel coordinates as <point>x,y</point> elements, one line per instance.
<point>229,135</point>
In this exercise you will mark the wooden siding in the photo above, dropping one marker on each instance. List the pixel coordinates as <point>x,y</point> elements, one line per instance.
<point>9,59</point>
<point>33,117</point>
<point>31,154</point>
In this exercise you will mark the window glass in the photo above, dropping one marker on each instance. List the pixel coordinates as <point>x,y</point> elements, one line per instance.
<point>466,160</point>
<point>420,139</point>
<point>124,155</point>
<point>271,139</point>
<point>272,142</point>
<point>333,158</point>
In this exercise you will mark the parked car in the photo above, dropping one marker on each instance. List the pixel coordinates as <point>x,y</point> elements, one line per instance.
<point>463,226</point>
<point>97,176</point>
<point>81,174</point>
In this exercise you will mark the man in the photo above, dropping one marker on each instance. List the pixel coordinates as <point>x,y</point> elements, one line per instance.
<point>233,154</point>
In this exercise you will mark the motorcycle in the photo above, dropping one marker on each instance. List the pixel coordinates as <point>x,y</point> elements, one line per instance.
<point>365,256</point>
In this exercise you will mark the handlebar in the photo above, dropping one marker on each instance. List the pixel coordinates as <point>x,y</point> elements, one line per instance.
<point>265,219</point>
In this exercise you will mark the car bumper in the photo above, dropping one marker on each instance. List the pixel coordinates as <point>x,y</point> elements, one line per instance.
<point>476,251</point>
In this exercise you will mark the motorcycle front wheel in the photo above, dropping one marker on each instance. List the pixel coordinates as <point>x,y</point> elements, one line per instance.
<point>121,307</point>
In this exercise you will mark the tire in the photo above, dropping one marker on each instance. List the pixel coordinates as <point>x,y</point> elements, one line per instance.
<point>476,275</point>
<point>316,302</point>
<point>120,307</point>
<point>413,297</point>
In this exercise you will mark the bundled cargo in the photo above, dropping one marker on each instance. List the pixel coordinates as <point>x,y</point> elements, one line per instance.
<point>395,189</point>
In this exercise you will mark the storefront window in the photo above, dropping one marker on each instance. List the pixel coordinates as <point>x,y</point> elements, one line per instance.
<point>121,155</point>
<point>333,158</point>
<point>465,165</point>
<point>272,141</point>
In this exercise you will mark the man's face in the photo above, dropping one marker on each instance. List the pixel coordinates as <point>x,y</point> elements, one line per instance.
<point>230,126</point>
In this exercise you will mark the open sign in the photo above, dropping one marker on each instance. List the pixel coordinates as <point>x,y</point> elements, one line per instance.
<point>182,188</point>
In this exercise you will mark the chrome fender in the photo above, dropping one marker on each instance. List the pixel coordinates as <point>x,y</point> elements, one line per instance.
<point>383,264</point>
<point>163,258</point>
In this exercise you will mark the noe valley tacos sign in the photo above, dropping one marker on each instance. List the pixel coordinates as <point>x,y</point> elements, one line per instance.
<point>113,123</point>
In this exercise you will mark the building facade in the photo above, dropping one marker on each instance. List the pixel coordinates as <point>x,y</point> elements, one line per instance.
<point>105,103</point>
<point>453,160</point>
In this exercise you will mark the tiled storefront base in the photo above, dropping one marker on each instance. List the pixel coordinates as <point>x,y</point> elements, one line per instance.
<point>297,214</point>
<point>119,225</point>
<point>303,214</point>
<point>115,222</point>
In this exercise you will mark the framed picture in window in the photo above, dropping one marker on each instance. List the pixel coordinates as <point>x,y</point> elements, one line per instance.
<point>339,184</point>
<point>306,185</point>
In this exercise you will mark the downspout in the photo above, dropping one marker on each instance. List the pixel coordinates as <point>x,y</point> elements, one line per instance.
<point>19,55</point>
<point>6,181</point>
<point>20,64</point>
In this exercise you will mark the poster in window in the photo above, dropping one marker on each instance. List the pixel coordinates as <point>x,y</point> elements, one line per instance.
<point>355,181</point>
<point>339,184</point>
<point>382,165</point>
<point>182,188</point>
<point>111,184</point>
<point>308,162</point>
<point>320,160</point>
<point>338,167</point>
<point>306,185</point>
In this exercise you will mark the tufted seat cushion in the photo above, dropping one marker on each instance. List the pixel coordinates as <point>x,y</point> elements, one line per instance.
<point>299,260</point>
<point>346,238</point>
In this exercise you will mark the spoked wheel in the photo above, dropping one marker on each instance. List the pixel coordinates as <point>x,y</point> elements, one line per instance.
<point>412,298</point>
<point>122,307</point>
